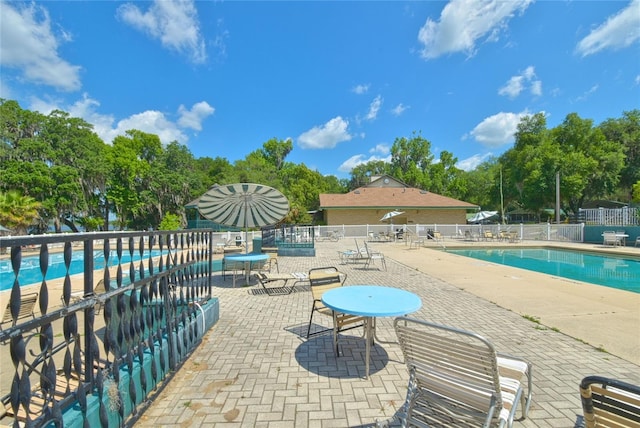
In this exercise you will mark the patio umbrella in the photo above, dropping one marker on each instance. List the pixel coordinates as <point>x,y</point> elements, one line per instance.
<point>390,215</point>
<point>482,215</point>
<point>243,205</point>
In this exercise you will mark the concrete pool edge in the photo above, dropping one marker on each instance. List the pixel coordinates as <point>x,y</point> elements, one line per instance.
<point>606,318</point>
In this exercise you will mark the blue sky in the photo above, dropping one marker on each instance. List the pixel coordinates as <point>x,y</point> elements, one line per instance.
<point>342,80</point>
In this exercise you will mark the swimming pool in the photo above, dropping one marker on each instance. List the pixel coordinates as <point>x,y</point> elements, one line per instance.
<point>30,266</point>
<point>606,270</point>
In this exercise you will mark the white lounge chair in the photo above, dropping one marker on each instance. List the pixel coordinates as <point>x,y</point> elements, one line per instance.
<point>610,238</point>
<point>456,378</point>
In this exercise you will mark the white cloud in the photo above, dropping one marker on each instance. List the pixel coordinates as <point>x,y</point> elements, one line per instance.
<point>374,107</point>
<point>383,149</point>
<point>193,118</point>
<point>399,109</point>
<point>5,90</point>
<point>588,93</point>
<point>150,121</point>
<point>175,23</point>
<point>472,163</point>
<point>517,84</point>
<point>637,80</point>
<point>536,88</point>
<point>497,130</point>
<point>356,160</point>
<point>28,44</point>
<point>326,136</point>
<point>513,87</point>
<point>617,32</point>
<point>464,22</point>
<point>360,89</point>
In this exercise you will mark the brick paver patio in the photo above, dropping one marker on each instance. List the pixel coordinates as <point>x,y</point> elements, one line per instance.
<point>255,368</point>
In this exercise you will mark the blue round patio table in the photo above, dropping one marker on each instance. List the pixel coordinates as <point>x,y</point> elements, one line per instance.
<point>371,301</point>
<point>247,259</point>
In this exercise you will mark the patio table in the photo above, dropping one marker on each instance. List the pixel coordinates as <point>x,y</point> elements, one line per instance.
<point>371,301</point>
<point>248,259</point>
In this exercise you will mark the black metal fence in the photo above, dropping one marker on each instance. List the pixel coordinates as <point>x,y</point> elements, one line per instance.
<point>105,303</point>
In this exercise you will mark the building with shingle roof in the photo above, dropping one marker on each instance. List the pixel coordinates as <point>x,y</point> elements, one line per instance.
<point>367,205</point>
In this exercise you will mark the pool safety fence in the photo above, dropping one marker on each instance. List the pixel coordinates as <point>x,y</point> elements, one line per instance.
<point>153,311</point>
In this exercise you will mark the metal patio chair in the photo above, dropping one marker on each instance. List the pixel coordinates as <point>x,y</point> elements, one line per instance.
<point>320,281</point>
<point>609,403</point>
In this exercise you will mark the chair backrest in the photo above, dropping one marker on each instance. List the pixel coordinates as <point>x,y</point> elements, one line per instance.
<point>609,402</point>
<point>457,370</point>
<point>323,279</point>
<point>27,306</point>
<point>357,247</point>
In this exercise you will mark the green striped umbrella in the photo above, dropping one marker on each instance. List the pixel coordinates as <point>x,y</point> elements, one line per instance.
<point>243,205</point>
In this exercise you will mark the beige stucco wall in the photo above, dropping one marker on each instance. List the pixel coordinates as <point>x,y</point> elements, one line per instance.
<point>410,216</point>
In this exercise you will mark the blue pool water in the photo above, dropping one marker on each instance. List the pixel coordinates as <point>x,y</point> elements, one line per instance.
<point>609,271</point>
<point>30,267</point>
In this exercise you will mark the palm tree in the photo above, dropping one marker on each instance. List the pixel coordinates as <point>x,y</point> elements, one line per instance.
<point>17,212</point>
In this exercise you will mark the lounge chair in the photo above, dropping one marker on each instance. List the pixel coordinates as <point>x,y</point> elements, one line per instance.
<point>321,280</point>
<point>609,403</point>
<point>266,280</point>
<point>489,236</point>
<point>610,238</point>
<point>456,378</point>
<point>637,241</point>
<point>468,236</point>
<point>372,256</point>
<point>360,254</point>
<point>418,241</point>
<point>27,306</point>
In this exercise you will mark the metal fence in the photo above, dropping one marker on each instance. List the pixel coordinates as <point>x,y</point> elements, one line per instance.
<point>79,342</point>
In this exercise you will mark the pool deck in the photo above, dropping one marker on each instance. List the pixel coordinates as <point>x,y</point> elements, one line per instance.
<point>255,367</point>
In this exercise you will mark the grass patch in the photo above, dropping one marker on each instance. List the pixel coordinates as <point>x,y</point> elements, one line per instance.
<point>531,318</point>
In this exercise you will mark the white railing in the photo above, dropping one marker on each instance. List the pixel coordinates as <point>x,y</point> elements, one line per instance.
<point>624,216</point>
<point>537,232</point>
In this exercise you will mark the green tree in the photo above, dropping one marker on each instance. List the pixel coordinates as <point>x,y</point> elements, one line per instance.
<point>362,173</point>
<point>626,131</point>
<point>170,222</point>
<point>447,179</point>
<point>275,151</point>
<point>589,164</point>
<point>128,193</point>
<point>18,212</point>
<point>411,159</point>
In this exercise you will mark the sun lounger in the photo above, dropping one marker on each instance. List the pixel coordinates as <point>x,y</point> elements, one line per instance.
<point>267,280</point>
<point>27,306</point>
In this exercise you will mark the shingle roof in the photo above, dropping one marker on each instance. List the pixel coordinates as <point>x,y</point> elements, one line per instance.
<point>390,198</point>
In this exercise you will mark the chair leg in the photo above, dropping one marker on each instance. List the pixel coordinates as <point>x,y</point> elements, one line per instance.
<point>335,335</point>
<point>313,309</point>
